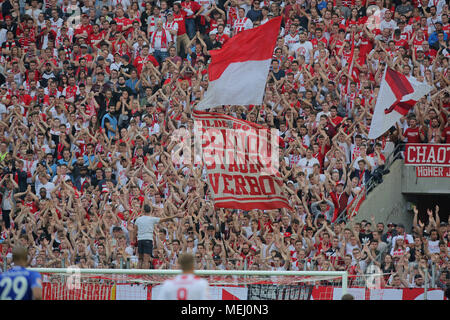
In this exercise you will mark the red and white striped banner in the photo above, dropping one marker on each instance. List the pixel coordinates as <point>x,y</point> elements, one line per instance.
<point>85,291</point>
<point>241,159</point>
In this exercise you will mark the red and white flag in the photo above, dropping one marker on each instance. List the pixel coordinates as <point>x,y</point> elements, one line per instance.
<point>238,71</point>
<point>241,161</point>
<point>355,204</point>
<point>398,94</point>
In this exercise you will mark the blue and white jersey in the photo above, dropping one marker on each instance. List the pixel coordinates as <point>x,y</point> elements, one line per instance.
<point>17,284</point>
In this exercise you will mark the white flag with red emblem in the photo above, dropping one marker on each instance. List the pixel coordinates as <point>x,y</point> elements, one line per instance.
<point>398,94</point>
<point>238,71</point>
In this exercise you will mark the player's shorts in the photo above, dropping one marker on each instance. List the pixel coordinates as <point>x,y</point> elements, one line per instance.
<point>145,247</point>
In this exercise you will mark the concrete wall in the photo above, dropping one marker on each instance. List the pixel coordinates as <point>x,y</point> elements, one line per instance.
<point>391,201</point>
<point>386,202</point>
<point>412,184</point>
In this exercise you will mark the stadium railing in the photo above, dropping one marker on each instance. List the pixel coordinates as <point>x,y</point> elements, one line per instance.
<point>132,284</point>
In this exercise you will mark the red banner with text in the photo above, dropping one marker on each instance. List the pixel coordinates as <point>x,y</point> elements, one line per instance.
<point>427,154</point>
<point>241,160</point>
<point>432,172</point>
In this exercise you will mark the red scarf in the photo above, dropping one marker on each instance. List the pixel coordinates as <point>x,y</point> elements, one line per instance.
<point>361,177</point>
<point>60,148</point>
<point>163,39</point>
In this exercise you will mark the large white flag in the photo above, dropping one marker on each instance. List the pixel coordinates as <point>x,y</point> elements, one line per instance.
<point>238,71</point>
<point>397,95</point>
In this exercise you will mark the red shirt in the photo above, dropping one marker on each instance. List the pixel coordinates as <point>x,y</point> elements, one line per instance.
<point>82,28</point>
<point>401,43</point>
<point>26,99</point>
<point>122,22</point>
<point>315,41</point>
<point>365,46</point>
<point>430,53</point>
<point>95,37</point>
<point>32,205</point>
<point>417,43</point>
<point>222,38</point>
<point>180,18</point>
<point>139,62</point>
<point>336,120</point>
<point>340,203</point>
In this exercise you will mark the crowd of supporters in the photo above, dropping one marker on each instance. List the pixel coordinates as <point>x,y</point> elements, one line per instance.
<point>92,91</point>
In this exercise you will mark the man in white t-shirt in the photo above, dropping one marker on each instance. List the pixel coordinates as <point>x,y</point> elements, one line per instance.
<point>409,240</point>
<point>307,163</point>
<point>303,47</point>
<point>370,162</point>
<point>387,22</point>
<point>172,26</point>
<point>43,182</point>
<point>143,227</point>
<point>433,242</point>
<point>185,286</point>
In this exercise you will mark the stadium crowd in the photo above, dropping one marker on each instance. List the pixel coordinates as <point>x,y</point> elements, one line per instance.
<point>92,91</point>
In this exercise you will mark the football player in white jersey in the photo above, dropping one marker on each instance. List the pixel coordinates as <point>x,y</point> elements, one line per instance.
<point>185,286</point>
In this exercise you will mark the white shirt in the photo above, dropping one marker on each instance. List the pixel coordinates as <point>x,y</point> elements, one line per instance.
<point>388,25</point>
<point>206,4</point>
<point>2,36</point>
<point>184,287</point>
<point>56,25</point>
<point>433,246</point>
<point>172,26</point>
<point>125,3</point>
<point>49,186</point>
<point>319,114</point>
<point>439,4</point>
<point>146,225</point>
<point>154,129</point>
<point>408,239</point>
<point>7,198</point>
<point>308,164</point>
<point>349,248</point>
<point>34,13</point>
<point>242,24</point>
<point>2,110</point>
<point>431,22</point>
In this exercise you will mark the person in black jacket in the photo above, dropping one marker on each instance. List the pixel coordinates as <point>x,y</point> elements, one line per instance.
<point>19,175</point>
